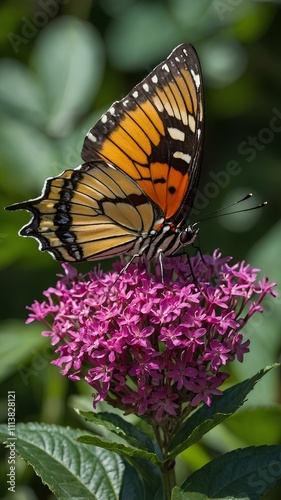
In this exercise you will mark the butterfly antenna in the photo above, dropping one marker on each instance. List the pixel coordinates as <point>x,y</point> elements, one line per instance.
<point>216,213</point>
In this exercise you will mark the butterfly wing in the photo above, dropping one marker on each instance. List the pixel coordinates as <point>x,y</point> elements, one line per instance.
<point>94,211</point>
<point>141,171</point>
<point>155,134</point>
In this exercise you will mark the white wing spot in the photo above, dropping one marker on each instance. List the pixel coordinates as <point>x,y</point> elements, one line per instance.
<point>135,94</point>
<point>191,123</point>
<point>154,79</point>
<point>170,110</point>
<point>112,110</point>
<point>182,156</point>
<point>92,137</point>
<point>185,52</point>
<point>165,67</point>
<point>199,132</point>
<point>184,117</point>
<point>196,78</point>
<point>145,87</point>
<point>125,103</point>
<point>158,104</point>
<point>177,59</point>
<point>104,118</point>
<point>176,134</point>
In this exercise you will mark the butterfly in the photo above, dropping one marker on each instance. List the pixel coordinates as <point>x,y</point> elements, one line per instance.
<point>135,191</point>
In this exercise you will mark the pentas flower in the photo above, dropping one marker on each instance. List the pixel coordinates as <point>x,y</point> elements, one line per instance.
<point>151,348</point>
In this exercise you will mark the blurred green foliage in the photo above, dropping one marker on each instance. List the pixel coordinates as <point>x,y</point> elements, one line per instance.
<point>62,64</point>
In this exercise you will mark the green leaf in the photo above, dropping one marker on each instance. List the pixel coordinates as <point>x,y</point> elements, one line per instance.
<point>70,469</point>
<point>243,473</point>
<point>27,155</point>
<point>10,244</point>
<point>115,423</point>
<point>128,451</point>
<point>142,50</point>
<point>254,23</point>
<point>206,417</point>
<point>151,477</point>
<point>24,100</point>
<point>264,329</point>
<point>195,16</point>
<point>18,345</point>
<point>132,486</point>
<point>69,60</point>
<point>265,254</point>
<point>249,426</point>
<point>224,62</point>
<point>179,494</point>
<point>149,473</point>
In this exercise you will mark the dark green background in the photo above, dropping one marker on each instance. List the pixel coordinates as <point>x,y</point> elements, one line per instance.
<point>62,65</point>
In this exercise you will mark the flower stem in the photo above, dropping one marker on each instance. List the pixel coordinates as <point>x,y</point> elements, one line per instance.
<point>169,480</point>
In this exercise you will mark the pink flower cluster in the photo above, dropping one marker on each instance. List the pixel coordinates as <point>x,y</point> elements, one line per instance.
<point>147,347</point>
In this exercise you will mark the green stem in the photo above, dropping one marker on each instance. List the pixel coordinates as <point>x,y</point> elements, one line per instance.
<point>169,480</point>
<point>163,437</point>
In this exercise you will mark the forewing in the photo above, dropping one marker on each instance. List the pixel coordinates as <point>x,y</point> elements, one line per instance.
<point>155,134</point>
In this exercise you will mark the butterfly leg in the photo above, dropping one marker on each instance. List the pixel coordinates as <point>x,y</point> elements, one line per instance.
<point>124,269</point>
<point>198,248</point>
<point>160,259</point>
<point>191,269</point>
<point>186,254</point>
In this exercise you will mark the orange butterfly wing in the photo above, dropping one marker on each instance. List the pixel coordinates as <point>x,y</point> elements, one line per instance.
<point>155,134</point>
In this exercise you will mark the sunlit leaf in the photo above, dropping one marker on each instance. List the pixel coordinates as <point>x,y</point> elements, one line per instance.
<point>118,425</point>
<point>248,425</point>
<point>142,50</point>
<point>127,451</point>
<point>69,60</point>
<point>20,93</point>
<point>27,155</point>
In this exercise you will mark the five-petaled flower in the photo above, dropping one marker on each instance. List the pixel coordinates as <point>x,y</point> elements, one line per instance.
<point>149,347</point>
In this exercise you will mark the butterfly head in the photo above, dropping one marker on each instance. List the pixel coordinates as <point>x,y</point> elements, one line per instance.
<point>188,235</point>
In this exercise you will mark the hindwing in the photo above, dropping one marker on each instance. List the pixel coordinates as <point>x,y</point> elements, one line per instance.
<point>90,212</point>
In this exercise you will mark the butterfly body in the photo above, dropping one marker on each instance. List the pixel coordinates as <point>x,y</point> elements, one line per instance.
<point>135,190</point>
